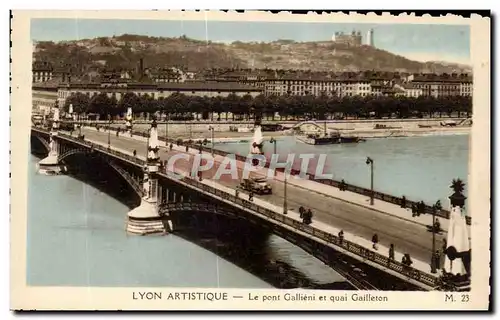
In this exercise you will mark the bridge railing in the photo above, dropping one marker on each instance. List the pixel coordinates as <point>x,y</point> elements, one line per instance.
<point>95,146</point>
<point>352,247</point>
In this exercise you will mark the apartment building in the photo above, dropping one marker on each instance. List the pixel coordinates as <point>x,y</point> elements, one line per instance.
<point>42,71</point>
<point>442,85</point>
<point>118,89</point>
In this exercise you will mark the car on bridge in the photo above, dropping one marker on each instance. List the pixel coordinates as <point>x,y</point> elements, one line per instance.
<point>256,185</point>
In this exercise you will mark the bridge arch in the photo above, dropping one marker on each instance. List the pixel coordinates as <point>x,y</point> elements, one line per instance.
<point>127,177</point>
<point>136,186</point>
<point>312,247</point>
<point>44,142</point>
<point>71,152</point>
<point>165,209</point>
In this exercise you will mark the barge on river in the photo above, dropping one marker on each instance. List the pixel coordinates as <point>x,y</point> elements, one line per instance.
<point>333,138</point>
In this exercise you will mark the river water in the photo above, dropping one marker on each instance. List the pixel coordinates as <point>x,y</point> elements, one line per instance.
<point>420,168</point>
<point>76,237</point>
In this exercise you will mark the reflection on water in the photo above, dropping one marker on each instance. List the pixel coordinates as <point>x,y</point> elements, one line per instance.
<point>76,237</point>
<point>421,168</point>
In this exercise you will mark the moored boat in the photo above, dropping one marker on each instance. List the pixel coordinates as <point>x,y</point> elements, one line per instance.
<point>333,138</point>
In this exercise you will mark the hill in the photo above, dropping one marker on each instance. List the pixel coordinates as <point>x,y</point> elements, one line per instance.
<point>124,51</point>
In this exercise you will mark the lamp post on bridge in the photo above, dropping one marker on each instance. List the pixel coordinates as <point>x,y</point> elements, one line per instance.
<point>369,161</point>
<point>109,131</point>
<point>274,141</point>
<point>211,128</point>
<point>166,129</point>
<point>148,135</point>
<point>285,205</point>
<point>79,125</point>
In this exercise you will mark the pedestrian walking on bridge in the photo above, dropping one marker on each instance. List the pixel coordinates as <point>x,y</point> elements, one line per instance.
<point>375,241</point>
<point>307,217</point>
<point>406,260</point>
<point>341,236</point>
<point>391,252</point>
<point>301,212</point>
<point>250,196</point>
<point>135,153</point>
<point>437,225</point>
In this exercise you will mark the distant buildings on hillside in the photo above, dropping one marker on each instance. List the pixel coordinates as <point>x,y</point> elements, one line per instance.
<point>53,85</point>
<point>355,38</point>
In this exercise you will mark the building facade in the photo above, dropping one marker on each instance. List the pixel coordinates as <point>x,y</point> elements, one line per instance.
<point>443,85</point>
<point>42,71</point>
<point>44,97</point>
<point>156,90</point>
<point>353,39</point>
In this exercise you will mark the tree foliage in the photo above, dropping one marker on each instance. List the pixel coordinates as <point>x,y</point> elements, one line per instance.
<point>180,106</point>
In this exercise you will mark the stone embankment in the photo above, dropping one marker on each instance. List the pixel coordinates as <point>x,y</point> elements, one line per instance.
<point>382,128</point>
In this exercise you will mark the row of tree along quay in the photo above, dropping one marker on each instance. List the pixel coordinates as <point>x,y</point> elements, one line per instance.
<point>179,106</point>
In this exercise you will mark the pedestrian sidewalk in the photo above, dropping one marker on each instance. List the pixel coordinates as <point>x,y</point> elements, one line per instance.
<point>330,191</point>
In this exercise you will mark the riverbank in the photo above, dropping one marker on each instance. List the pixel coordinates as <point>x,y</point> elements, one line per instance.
<point>232,137</point>
<point>366,129</point>
<point>225,136</point>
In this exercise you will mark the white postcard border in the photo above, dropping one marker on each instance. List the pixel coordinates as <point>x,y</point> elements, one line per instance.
<point>54,298</point>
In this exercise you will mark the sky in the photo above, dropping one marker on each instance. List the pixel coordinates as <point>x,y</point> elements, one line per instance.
<point>421,42</point>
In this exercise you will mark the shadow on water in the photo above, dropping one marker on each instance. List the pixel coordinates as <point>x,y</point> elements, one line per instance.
<point>95,172</point>
<point>249,247</point>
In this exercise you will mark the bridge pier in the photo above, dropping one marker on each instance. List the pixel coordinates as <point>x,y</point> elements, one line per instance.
<point>145,219</point>
<point>51,165</point>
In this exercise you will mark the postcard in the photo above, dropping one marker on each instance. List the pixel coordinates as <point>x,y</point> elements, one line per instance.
<point>183,160</point>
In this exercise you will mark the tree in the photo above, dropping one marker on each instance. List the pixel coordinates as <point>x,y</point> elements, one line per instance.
<point>102,104</point>
<point>129,100</point>
<point>80,102</point>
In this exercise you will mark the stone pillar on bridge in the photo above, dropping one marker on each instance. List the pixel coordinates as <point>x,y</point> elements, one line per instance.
<point>73,116</point>
<point>50,165</point>
<point>128,121</point>
<point>457,260</point>
<point>145,219</point>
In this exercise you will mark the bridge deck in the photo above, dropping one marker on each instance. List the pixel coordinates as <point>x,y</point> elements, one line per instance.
<point>330,214</point>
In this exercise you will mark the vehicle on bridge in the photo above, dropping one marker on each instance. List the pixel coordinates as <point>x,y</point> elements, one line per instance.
<point>63,125</point>
<point>37,119</point>
<point>257,185</point>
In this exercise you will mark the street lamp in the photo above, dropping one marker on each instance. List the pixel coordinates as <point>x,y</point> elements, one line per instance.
<point>109,131</point>
<point>147,145</point>
<point>274,141</point>
<point>285,206</point>
<point>369,161</point>
<point>212,134</point>
<point>433,257</point>
<point>166,131</point>
<point>79,126</point>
